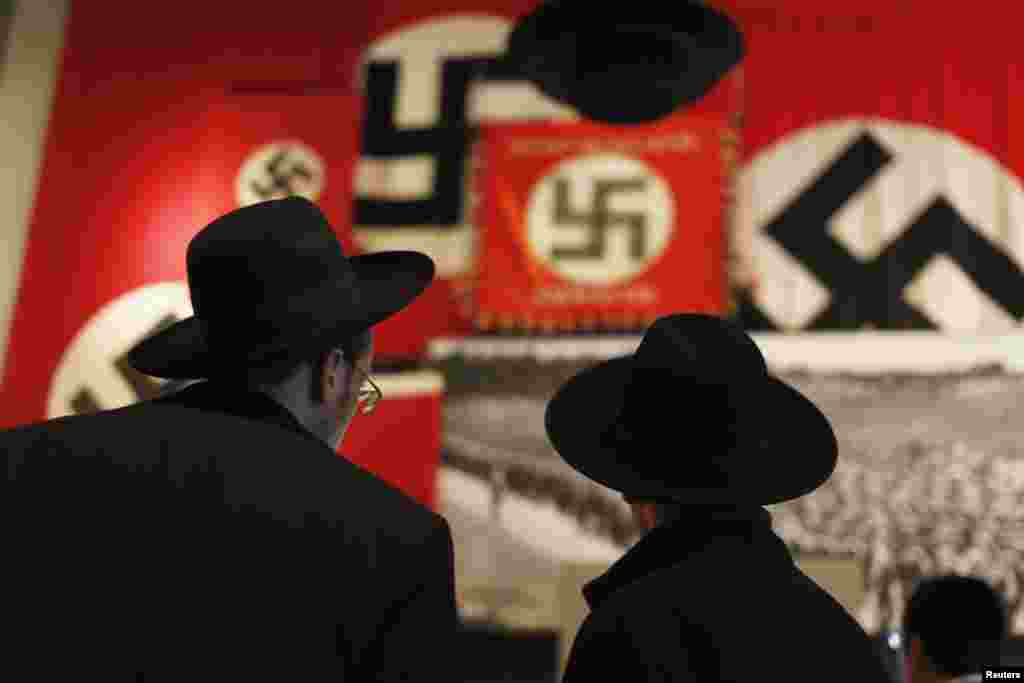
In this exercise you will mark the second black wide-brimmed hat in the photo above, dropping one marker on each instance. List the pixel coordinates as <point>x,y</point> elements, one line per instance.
<point>693,416</point>
<point>270,282</point>
<point>628,63</point>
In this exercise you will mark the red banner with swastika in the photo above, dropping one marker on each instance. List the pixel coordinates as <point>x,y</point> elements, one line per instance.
<point>586,226</point>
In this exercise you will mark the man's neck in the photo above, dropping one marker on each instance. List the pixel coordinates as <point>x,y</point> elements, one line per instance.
<point>304,413</point>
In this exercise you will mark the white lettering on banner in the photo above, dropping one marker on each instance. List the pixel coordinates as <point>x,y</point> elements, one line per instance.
<point>871,223</point>
<point>568,296</point>
<point>681,143</point>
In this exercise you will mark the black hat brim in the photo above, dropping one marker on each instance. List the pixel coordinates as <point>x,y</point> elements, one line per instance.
<point>785,449</point>
<point>388,281</point>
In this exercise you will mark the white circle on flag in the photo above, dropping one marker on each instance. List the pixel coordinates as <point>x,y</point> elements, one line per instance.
<point>600,219</point>
<point>90,373</point>
<point>278,170</point>
<point>876,213</point>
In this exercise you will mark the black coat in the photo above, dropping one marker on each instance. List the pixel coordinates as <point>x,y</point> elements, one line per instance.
<point>208,536</point>
<point>716,597</point>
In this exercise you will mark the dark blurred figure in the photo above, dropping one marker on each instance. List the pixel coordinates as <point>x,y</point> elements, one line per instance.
<point>213,534</point>
<point>698,437</point>
<point>953,627</point>
<point>625,65</point>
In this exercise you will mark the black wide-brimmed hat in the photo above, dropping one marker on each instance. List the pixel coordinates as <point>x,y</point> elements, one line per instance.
<point>625,64</point>
<point>270,282</point>
<point>695,417</point>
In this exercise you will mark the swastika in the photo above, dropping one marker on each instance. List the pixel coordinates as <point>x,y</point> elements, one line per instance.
<point>144,387</point>
<point>282,178</point>
<point>447,142</point>
<point>600,219</point>
<point>872,293</point>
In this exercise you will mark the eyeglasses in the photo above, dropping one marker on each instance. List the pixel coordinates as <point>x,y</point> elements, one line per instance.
<point>369,394</point>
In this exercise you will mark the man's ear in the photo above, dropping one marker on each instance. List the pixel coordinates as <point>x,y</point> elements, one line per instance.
<point>915,653</point>
<point>650,514</point>
<point>915,647</point>
<point>329,376</point>
<point>646,513</point>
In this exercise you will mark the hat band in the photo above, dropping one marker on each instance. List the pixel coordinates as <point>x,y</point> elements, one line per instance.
<point>650,426</point>
<point>706,466</point>
<point>276,325</point>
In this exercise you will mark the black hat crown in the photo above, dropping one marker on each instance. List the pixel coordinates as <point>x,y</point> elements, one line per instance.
<point>270,282</point>
<point>625,66</point>
<point>693,415</point>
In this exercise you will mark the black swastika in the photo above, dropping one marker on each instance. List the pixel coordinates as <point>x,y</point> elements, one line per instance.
<point>282,179</point>
<point>872,293</point>
<point>145,387</point>
<point>600,219</point>
<point>447,142</point>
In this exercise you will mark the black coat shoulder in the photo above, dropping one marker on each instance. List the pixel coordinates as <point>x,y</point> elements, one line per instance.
<point>165,534</point>
<point>733,611</point>
<point>261,463</point>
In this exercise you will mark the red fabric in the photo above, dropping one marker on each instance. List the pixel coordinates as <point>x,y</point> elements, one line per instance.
<point>920,63</point>
<point>144,133</point>
<point>517,286</point>
<point>400,441</point>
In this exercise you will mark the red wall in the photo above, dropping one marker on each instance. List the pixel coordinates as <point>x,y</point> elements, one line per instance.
<point>150,123</point>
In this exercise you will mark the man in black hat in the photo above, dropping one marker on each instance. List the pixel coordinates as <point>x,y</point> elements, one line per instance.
<point>953,627</point>
<point>214,534</point>
<point>698,436</point>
